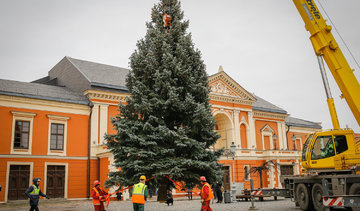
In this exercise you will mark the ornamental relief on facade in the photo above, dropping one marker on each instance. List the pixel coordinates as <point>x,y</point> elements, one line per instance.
<point>221,88</point>
<point>106,96</point>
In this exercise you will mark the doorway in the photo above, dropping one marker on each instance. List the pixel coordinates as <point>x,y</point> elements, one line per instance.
<point>18,181</point>
<point>55,181</point>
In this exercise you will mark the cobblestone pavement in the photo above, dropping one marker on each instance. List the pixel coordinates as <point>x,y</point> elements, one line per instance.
<point>179,205</point>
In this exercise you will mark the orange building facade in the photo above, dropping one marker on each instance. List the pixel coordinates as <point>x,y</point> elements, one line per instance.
<point>263,134</point>
<point>42,137</point>
<point>54,128</point>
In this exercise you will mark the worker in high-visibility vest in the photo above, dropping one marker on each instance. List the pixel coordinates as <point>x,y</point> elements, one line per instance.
<point>98,195</point>
<point>34,193</point>
<point>139,193</point>
<point>206,195</point>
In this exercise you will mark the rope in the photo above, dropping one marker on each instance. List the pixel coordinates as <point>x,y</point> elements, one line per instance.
<point>181,188</point>
<point>107,197</point>
<point>339,34</point>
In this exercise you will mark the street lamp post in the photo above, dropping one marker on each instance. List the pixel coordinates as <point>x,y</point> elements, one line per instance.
<point>233,188</point>
<point>274,138</point>
<point>293,138</point>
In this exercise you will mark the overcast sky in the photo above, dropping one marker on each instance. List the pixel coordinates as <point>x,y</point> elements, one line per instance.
<point>261,44</point>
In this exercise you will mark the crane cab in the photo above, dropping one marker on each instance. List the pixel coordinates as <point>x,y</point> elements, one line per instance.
<point>330,150</point>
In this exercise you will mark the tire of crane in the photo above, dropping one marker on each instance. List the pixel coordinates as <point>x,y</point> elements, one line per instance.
<point>303,197</point>
<point>355,190</point>
<point>316,194</point>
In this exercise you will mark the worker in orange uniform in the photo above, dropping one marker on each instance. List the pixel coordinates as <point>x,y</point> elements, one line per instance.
<point>206,195</point>
<point>139,194</point>
<point>98,195</point>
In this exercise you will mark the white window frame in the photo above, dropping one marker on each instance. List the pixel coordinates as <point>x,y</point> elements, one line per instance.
<point>22,116</point>
<point>269,134</point>
<point>9,163</point>
<point>57,120</point>
<point>267,131</point>
<point>66,176</point>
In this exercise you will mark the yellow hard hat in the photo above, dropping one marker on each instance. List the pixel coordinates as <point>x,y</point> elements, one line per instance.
<point>142,177</point>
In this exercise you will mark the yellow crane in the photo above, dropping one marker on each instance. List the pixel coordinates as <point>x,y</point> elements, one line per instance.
<point>323,149</point>
<point>329,157</point>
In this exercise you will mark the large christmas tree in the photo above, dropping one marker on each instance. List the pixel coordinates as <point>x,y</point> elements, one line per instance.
<point>166,126</point>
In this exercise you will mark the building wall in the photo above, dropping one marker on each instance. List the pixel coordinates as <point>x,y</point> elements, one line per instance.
<point>76,138</point>
<point>75,174</point>
<point>42,113</point>
<point>104,169</point>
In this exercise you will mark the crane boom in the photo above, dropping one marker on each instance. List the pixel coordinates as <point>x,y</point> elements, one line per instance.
<point>333,153</point>
<point>326,46</point>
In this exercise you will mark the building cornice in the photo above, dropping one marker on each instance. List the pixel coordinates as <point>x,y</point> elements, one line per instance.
<point>303,129</point>
<point>107,96</point>
<point>43,105</point>
<point>230,99</point>
<point>270,115</point>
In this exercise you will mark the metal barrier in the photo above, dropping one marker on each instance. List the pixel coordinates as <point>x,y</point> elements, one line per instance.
<point>352,201</point>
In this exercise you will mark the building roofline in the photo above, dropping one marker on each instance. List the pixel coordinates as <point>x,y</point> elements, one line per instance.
<point>45,98</point>
<point>109,86</point>
<point>269,110</point>
<point>69,59</point>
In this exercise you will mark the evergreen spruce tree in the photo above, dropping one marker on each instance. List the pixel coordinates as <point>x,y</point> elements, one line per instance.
<point>166,126</point>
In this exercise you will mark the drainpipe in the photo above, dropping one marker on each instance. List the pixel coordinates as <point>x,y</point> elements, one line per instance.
<point>98,168</point>
<point>287,141</point>
<point>89,151</point>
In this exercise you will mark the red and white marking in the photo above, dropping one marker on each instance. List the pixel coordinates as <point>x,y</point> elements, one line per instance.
<point>336,201</point>
<point>257,193</point>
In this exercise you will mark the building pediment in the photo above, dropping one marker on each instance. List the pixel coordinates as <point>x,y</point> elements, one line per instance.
<point>224,88</point>
<point>267,128</point>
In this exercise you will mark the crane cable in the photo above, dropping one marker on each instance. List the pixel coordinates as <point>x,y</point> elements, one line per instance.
<point>339,34</point>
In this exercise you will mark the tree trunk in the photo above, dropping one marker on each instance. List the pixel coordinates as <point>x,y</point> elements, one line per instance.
<point>162,190</point>
<point>261,179</point>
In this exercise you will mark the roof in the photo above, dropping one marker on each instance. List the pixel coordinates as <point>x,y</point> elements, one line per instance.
<point>263,105</point>
<point>41,91</point>
<point>101,75</point>
<point>291,121</point>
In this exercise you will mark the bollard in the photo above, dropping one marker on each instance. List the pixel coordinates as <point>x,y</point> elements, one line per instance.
<point>252,207</point>
<point>325,191</point>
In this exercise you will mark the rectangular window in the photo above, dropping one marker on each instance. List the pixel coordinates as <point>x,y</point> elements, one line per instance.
<point>323,148</point>
<point>340,144</point>
<point>21,134</point>
<point>57,136</point>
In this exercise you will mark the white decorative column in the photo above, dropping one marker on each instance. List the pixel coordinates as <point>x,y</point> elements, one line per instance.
<point>296,168</point>
<point>280,135</point>
<point>252,138</point>
<point>271,175</point>
<point>283,126</point>
<point>103,122</point>
<point>278,170</point>
<point>237,128</point>
<point>95,125</point>
<point>112,168</point>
